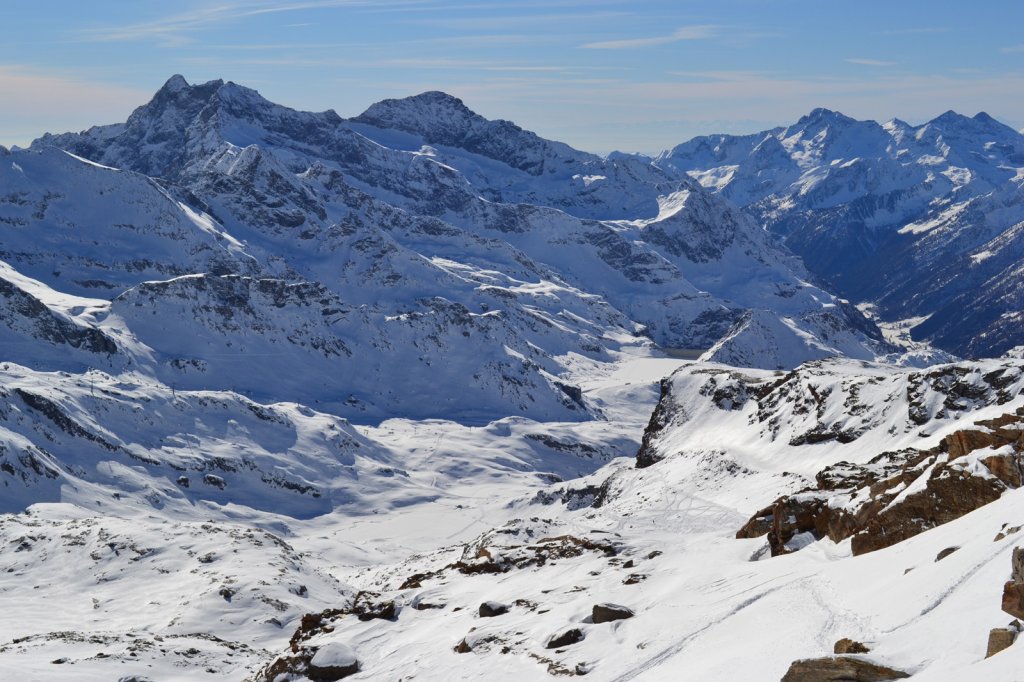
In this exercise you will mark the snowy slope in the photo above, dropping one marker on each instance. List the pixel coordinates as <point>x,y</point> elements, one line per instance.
<point>660,541</point>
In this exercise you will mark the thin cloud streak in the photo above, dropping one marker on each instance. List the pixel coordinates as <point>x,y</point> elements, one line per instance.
<point>868,62</point>
<point>173,30</point>
<point>701,32</point>
<point>913,31</point>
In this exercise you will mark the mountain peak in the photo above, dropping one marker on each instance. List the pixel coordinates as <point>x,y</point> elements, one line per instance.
<point>823,115</point>
<point>423,114</point>
<point>175,83</point>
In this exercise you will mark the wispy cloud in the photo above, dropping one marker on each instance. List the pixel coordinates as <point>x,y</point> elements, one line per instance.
<point>721,75</point>
<point>868,62</point>
<point>175,30</point>
<point>1012,49</point>
<point>530,20</point>
<point>701,32</point>
<point>913,31</point>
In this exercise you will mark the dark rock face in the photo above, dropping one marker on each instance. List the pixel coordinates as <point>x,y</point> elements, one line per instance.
<point>566,638</point>
<point>606,613</point>
<point>661,418</point>
<point>490,609</point>
<point>946,490</point>
<point>840,669</point>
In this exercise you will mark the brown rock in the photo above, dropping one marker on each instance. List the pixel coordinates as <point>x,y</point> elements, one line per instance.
<point>947,496</point>
<point>606,613</point>
<point>999,639</point>
<point>945,553</point>
<point>871,518</point>
<point>840,669</point>
<point>1004,467</point>
<point>850,646</point>
<point>1017,564</point>
<point>962,443</point>
<point>1013,599</point>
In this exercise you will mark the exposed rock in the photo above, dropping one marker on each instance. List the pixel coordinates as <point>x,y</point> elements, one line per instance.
<point>999,639</point>
<point>1013,599</point>
<point>490,609</point>
<point>870,503</point>
<point>566,638</point>
<point>479,559</point>
<point>840,669</point>
<point>1005,531</point>
<point>662,417</point>
<point>328,663</point>
<point>605,613</point>
<point>850,646</point>
<point>1013,590</point>
<point>945,553</point>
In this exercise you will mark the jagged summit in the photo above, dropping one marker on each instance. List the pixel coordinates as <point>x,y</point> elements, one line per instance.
<point>824,116</point>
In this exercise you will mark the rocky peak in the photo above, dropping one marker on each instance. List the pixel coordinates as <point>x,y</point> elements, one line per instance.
<point>436,116</point>
<point>822,117</point>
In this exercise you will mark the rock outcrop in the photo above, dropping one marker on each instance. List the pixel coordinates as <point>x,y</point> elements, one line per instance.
<point>840,669</point>
<point>897,495</point>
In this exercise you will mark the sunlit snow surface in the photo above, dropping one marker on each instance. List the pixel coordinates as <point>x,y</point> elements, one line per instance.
<point>132,574</point>
<point>256,362</point>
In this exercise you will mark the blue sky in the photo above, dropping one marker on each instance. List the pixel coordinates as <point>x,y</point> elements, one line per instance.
<point>599,74</point>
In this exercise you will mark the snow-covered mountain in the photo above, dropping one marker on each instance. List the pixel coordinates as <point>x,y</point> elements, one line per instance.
<point>486,215</point>
<point>922,221</point>
<point>286,397</point>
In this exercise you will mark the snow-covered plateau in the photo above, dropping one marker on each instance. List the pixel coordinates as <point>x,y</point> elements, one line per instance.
<point>419,395</point>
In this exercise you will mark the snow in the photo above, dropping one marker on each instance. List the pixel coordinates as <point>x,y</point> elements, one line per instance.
<point>334,655</point>
<point>280,361</point>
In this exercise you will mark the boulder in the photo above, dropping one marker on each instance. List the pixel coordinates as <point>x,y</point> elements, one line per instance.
<point>566,638</point>
<point>945,553</point>
<point>999,639</point>
<point>850,646</point>
<point>606,613</point>
<point>1013,599</point>
<point>332,661</point>
<point>840,669</point>
<point>490,609</point>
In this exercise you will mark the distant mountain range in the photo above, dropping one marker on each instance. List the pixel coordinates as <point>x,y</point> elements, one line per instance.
<point>925,222</point>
